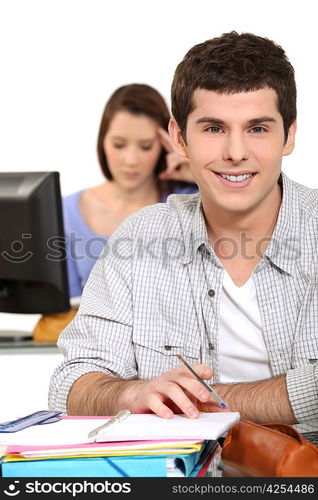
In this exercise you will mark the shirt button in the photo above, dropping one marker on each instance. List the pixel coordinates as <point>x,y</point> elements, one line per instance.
<point>168,347</point>
<point>211,292</point>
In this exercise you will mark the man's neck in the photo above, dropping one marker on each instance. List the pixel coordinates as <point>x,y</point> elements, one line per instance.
<point>259,221</point>
<point>240,240</point>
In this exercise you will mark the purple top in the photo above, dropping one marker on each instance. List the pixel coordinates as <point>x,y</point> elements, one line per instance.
<point>83,246</point>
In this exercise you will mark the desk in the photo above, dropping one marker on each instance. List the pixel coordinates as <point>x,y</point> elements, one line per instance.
<point>25,371</point>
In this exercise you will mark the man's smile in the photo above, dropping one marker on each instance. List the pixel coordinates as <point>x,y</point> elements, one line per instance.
<point>238,180</point>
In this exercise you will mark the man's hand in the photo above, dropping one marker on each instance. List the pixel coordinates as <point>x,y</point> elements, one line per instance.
<point>178,168</point>
<point>175,391</point>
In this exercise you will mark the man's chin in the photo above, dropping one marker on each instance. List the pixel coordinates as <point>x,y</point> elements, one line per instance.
<point>239,207</point>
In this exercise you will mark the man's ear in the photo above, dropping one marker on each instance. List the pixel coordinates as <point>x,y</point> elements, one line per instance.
<point>290,143</point>
<point>177,139</point>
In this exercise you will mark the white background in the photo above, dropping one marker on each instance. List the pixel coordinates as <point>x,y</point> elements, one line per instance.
<point>61,59</point>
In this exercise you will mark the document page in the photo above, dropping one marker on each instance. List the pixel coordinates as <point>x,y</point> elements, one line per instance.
<point>74,430</point>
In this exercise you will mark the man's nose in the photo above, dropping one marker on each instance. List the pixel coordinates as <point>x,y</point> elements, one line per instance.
<point>235,149</point>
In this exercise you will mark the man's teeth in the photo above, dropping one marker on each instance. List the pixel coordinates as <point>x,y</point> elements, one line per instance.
<point>236,178</point>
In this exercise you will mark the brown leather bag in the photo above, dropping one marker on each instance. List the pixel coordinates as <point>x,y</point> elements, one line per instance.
<point>271,450</point>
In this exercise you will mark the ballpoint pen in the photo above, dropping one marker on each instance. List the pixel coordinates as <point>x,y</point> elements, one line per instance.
<point>121,415</point>
<point>215,396</point>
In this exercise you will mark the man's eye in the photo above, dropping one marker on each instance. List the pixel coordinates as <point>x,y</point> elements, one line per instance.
<point>214,129</point>
<point>258,130</point>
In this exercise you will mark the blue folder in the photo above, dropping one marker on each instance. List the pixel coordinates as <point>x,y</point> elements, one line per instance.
<point>125,466</point>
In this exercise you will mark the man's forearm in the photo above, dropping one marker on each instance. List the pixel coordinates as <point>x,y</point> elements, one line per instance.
<point>99,394</point>
<point>262,401</point>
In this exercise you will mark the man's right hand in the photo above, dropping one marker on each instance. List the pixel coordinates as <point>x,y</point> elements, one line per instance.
<point>175,391</point>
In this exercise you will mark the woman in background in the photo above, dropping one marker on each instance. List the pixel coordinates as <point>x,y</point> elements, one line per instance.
<point>141,167</point>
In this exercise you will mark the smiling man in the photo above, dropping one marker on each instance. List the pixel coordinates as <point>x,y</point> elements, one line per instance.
<point>227,277</point>
<point>235,143</point>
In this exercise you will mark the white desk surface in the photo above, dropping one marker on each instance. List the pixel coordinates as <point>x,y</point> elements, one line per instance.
<point>25,368</point>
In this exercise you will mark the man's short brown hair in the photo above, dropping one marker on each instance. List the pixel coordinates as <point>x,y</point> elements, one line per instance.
<point>230,64</point>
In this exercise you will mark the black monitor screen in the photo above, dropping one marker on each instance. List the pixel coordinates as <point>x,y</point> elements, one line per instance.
<point>33,272</point>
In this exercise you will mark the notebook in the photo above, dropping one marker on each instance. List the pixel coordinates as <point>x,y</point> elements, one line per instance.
<point>137,427</point>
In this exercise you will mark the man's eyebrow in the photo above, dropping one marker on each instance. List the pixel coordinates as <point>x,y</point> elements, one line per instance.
<point>207,119</point>
<point>218,121</point>
<point>262,119</point>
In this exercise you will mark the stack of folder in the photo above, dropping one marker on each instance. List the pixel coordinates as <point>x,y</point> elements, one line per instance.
<point>141,446</point>
<point>129,461</point>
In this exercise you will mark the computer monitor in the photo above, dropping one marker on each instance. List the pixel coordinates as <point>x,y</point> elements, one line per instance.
<point>33,272</point>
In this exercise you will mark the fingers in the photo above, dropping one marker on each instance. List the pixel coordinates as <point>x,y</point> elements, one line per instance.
<point>177,168</point>
<point>165,140</point>
<point>167,390</point>
<point>176,387</point>
<point>211,407</point>
<point>203,370</point>
<point>157,406</point>
<point>173,162</point>
<point>188,382</point>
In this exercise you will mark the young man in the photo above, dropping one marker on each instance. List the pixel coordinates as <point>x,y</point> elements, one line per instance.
<point>227,277</point>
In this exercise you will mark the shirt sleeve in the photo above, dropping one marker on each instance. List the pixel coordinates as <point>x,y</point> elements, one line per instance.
<point>302,379</point>
<point>99,339</point>
<point>302,386</point>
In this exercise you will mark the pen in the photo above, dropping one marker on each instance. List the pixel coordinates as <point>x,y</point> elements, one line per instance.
<point>216,397</point>
<point>121,415</point>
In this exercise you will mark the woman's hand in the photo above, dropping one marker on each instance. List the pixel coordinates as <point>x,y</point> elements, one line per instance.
<point>178,168</point>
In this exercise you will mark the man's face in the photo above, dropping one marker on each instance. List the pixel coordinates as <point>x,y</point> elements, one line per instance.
<point>235,144</point>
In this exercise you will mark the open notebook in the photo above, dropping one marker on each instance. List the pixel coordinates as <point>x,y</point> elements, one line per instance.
<point>137,427</point>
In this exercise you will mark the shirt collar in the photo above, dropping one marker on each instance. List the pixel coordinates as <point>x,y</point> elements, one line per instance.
<point>196,236</point>
<point>283,247</point>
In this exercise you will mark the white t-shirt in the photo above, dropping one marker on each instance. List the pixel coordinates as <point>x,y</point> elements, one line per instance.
<point>242,351</point>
